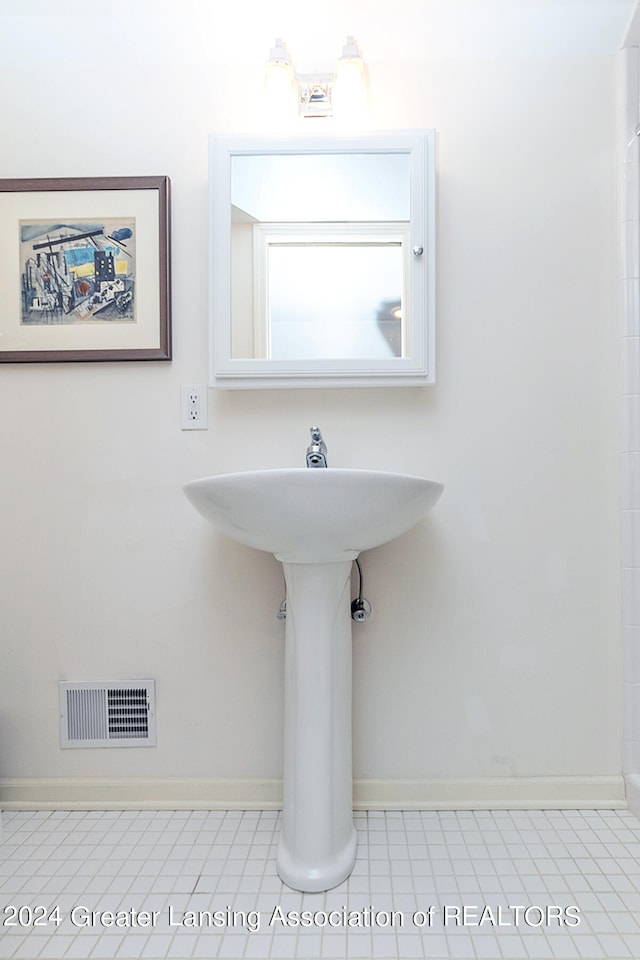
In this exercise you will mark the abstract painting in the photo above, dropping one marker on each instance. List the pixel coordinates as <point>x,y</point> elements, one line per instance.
<point>80,272</point>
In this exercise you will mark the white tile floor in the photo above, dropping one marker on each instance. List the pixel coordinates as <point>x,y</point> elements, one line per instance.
<point>513,871</point>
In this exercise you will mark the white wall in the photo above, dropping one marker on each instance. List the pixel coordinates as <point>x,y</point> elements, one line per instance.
<point>494,650</point>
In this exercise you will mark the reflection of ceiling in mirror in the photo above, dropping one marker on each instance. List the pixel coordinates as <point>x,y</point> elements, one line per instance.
<point>322,187</point>
<point>241,216</point>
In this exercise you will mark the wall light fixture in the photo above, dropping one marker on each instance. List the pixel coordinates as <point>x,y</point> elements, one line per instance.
<point>342,94</point>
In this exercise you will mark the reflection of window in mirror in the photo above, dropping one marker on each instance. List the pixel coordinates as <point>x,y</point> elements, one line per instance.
<point>329,291</point>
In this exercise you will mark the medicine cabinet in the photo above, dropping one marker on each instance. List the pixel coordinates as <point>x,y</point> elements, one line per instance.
<point>322,260</point>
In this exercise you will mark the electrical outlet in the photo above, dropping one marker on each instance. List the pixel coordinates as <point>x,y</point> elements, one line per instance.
<point>193,406</point>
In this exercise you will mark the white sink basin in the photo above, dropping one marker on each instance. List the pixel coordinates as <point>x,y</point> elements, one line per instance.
<point>313,515</point>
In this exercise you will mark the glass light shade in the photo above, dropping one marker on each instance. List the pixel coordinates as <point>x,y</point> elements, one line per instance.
<point>280,95</point>
<point>349,89</point>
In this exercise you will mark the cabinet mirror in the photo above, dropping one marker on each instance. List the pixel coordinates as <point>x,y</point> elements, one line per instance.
<point>322,260</point>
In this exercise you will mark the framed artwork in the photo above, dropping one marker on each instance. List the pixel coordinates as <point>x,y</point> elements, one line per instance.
<point>85,269</point>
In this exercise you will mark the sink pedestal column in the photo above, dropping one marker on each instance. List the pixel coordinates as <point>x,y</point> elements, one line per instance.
<point>317,846</point>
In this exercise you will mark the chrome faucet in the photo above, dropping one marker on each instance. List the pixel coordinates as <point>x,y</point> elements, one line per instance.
<point>317,450</point>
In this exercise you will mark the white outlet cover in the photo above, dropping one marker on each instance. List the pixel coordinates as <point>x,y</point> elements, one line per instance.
<point>194,400</point>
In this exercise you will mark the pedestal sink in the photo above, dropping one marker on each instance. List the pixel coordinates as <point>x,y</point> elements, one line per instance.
<point>316,521</point>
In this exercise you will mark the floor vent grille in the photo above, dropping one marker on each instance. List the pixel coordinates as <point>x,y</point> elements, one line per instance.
<point>99,714</point>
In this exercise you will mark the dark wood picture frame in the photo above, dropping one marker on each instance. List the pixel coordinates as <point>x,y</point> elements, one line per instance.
<point>93,286</point>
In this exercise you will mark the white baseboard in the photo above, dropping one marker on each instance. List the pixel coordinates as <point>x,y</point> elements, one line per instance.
<point>491,793</point>
<point>633,793</point>
<point>139,794</point>
<point>451,794</point>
